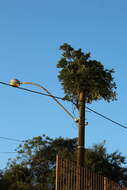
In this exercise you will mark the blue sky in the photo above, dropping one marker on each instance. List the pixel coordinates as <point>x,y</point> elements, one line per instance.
<point>30,35</point>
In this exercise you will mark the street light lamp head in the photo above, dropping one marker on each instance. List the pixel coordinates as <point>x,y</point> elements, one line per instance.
<point>15,82</point>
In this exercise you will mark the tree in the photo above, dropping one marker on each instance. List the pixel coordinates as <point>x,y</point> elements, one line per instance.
<point>34,168</point>
<point>78,73</point>
<point>16,177</point>
<point>105,164</point>
<point>84,80</point>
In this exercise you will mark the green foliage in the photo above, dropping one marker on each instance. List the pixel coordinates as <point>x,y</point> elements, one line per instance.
<point>78,73</point>
<point>108,165</point>
<point>34,168</point>
<point>16,177</point>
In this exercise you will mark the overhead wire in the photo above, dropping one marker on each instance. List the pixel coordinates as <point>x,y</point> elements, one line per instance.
<point>11,139</point>
<point>49,94</point>
<point>8,152</point>
<point>12,152</point>
<point>105,117</point>
<point>36,92</point>
<point>44,94</point>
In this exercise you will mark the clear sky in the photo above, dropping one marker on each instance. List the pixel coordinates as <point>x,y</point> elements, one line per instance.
<point>30,35</point>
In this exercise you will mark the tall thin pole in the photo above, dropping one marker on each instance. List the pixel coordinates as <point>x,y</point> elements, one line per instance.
<point>81,143</point>
<point>81,130</point>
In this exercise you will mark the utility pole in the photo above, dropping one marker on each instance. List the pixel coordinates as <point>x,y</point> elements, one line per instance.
<point>81,143</point>
<point>81,130</point>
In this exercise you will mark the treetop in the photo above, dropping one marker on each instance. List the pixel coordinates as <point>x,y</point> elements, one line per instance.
<point>79,73</point>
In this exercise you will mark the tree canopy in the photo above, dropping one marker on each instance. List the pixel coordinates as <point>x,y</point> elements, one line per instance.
<point>34,168</point>
<point>78,73</point>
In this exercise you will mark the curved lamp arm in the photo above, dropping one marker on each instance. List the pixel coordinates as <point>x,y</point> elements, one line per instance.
<point>17,83</point>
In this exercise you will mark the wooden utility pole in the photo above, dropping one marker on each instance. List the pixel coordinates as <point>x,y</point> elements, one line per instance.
<point>81,143</point>
<point>81,130</point>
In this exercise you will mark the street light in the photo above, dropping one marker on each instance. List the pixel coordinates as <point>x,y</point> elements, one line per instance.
<point>17,83</point>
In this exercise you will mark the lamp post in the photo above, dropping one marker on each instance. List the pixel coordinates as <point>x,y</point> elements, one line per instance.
<point>17,83</point>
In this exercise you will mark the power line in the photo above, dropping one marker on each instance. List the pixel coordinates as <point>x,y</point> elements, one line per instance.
<point>49,94</point>
<point>11,139</point>
<point>13,152</point>
<point>105,117</point>
<point>36,92</point>
<point>8,152</point>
